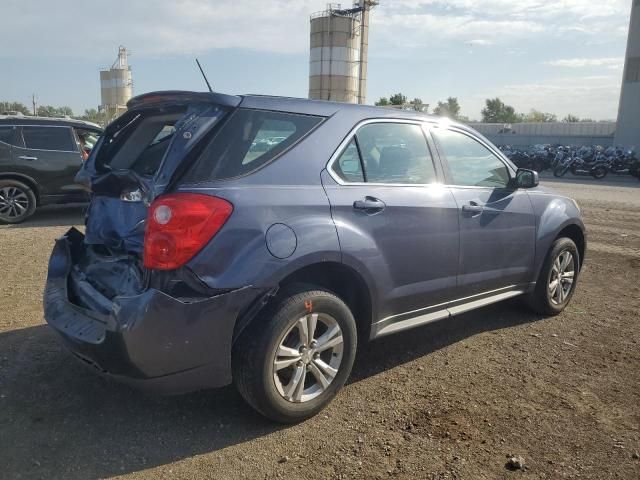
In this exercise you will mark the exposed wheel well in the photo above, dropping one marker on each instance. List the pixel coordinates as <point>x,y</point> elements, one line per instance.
<point>574,232</point>
<point>345,283</point>
<point>26,180</point>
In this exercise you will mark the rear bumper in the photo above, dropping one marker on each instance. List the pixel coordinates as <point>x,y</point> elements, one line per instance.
<point>149,340</point>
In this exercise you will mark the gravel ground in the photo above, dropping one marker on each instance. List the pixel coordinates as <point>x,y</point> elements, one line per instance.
<point>469,398</point>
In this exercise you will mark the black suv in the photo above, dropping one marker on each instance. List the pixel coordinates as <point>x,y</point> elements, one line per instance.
<point>39,158</point>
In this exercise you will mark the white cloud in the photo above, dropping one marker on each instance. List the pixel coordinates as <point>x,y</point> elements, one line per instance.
<point>415,35</point>
<point>178,27</point>
<point>587,96</point>
<point>161,27</point>
<point>609,62</point>
<point>479,42</point>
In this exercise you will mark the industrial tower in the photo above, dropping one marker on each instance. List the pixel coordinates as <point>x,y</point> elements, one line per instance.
<point>628,127</point>
<point>116,86</point>
<point>339,53</point>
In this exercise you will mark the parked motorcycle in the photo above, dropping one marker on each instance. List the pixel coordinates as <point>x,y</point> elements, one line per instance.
<point>634,169</point>
<point>597,168</point>
<point>596,161</point>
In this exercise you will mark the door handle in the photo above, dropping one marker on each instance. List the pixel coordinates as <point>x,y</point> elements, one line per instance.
<point>472,208</point>
<point>369,205</point>
<point>26,157</point>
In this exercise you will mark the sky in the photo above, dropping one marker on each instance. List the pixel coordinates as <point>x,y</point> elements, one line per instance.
<point>558,56</point>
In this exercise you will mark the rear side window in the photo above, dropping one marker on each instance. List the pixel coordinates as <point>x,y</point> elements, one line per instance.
<point>249,140</point>
<point>390,153</point>
<point>49,138</point>
<point>7,134</point>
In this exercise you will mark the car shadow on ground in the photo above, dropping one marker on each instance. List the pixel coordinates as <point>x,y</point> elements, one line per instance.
<point>394,350</point>
<point>58,419</point>
<point>54,216</point>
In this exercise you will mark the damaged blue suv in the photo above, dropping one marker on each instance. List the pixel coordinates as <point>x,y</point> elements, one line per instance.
<point>257,240</point>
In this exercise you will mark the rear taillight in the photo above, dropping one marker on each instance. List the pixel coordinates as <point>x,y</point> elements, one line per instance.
<point>179,225</point>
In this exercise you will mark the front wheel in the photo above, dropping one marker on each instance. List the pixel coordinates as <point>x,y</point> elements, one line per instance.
<point>560,171</point>
<point>538,166</point>
<point>17,201</point>
<point>292,360</point>
<point>557,281</point>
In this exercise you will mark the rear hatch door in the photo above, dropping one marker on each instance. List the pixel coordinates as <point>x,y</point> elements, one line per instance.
<point>138,157</point>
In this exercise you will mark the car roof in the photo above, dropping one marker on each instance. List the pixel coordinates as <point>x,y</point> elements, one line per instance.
<point>327,108</point>
<point>29,120</point>
<point>301,106</point>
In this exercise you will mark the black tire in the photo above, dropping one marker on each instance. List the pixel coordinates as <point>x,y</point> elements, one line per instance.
<point>540,300</point>
<point>560,171</point>
<point>255,353</point>
<point>17,201</point>
<point>538,166</point>
<point>599,172</point>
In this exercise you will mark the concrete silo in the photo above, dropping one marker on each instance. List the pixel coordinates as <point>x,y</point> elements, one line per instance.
<point>116,86</point>
<point>628,127</point>
<point>339,51</point>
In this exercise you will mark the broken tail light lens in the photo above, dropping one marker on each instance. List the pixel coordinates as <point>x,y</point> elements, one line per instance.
<point>179,225</point>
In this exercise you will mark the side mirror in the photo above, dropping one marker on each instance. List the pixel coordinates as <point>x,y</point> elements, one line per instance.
<point>526,178</point>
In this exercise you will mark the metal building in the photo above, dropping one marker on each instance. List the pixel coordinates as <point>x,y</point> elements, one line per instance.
<point>628,129</point>
<point>116,86</point>
<point>553,133</point>
<point>339,51</point>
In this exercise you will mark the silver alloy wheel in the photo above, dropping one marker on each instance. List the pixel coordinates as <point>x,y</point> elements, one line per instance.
<point>561,277</point>
<point>14,202</point>
<point>308,357</point>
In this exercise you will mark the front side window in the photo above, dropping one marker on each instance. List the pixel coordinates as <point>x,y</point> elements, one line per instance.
<point>249,140</point>
<point>470,162</point>
<point>390,153</point>
<point>49,138</point>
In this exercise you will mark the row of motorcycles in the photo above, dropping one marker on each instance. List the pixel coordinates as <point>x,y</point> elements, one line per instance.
<point>596,162</point>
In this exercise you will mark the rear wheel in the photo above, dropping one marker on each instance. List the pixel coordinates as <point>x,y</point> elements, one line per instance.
<point>557,280</point>
<point>599,172</point>
<point>293,359</point>
<point>17,201</point>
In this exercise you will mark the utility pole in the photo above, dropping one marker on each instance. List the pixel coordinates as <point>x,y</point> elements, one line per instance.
<point>33,102</point>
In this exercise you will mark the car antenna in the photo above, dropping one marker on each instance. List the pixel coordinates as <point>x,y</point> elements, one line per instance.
<point>205,77</point>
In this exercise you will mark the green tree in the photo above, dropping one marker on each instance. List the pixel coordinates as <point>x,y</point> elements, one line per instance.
<point>539,117</point>
<point>419,106</point>
<point>571,119</point>
<point>398,99</point>
<point>50,111</point>
<point>93,115</point>
<point>496,111</point>
<point>450,108</point>
<point>65,111</point>
<point>14,107</point>
<point>383,102</point>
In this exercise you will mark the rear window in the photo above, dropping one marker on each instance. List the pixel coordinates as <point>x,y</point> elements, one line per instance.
<point>249,140</point>
<point>49,138</point>
<point>141,142</point>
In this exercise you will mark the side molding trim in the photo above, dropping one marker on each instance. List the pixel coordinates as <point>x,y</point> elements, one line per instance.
<point>390,325</point>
